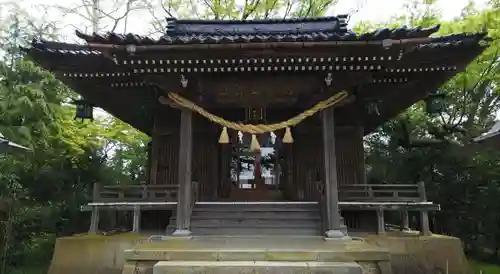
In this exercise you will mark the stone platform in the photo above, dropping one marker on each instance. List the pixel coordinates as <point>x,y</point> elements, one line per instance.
<point>409,254</point>
<point>257,254</point>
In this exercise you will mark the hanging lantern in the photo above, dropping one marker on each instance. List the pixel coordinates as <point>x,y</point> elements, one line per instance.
<point>372,108</point>
<point>84,110</point>
<point>434,103</point>
<point>269,140</point>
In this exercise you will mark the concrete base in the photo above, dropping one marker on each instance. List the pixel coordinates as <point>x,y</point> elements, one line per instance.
<point>182,233</point>
<point>253,267</point>
<point>335,234</point>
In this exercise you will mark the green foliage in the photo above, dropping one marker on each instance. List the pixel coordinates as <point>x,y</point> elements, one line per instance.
<point>416,147</point>
<point>49,183</point>
<point>476,267</point>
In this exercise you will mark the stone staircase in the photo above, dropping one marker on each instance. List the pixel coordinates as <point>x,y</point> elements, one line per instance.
<point>256,255</point>
<point>254,218</point>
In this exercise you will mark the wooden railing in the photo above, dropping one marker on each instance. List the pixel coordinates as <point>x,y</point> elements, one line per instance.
<point>134,193</point>
<point>382,192</point>
<point>385,197</point>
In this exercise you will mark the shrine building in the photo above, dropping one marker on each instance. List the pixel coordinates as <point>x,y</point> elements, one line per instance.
<point>257,126</point>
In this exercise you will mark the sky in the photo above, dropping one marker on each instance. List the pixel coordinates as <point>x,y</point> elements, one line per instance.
<point>369,10</point>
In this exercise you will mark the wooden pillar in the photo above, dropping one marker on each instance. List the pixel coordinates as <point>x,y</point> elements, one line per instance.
<point>424,215</point>
<point>136,222</point>
<point>94,219</point>
<point>334,229</point>
<point>184,175</point>
<point>380,221</point>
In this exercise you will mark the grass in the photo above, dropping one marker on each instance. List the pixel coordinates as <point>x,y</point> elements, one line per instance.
<point>475,268</point>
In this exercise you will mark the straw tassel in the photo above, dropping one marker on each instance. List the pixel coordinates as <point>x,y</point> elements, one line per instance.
<point>287,138</point>
<point>254,144</point>
<point>224,137</point>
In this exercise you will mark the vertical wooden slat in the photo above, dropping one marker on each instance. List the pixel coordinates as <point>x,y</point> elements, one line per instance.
<point>350,156</point>
<point>224,170</point>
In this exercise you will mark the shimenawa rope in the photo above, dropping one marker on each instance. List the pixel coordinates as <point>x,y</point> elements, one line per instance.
<point>259,128</point>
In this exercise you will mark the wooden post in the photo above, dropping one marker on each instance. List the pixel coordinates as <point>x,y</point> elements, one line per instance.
<point>424,215</point>
<point>96,192</point>
<point>184,160</point>
<point>380,222</point>
<point>424,218</point>
<point>334,229</point>
<point>405,221</point>
<point>94,220</point>
<point>136,225</point>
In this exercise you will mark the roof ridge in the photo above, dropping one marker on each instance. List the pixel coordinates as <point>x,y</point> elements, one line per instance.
<point>336,24</point>
<point>257,21</point>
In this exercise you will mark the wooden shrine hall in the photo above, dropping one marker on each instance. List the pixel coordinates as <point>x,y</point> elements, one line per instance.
<point>257,126</point>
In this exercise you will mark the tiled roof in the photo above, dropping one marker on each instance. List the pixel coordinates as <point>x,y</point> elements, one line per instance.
<point>258,31</point>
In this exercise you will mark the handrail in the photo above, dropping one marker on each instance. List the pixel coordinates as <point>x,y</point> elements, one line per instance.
<point>121,193</point>
<point>382,192</point>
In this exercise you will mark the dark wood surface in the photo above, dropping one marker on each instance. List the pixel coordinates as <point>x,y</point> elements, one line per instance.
<point>396,76</point>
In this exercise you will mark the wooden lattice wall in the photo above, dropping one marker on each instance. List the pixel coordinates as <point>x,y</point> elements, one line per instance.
<point>302,162</point>
<point>308,160</point>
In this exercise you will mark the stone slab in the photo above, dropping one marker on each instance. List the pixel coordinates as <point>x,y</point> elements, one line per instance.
<point>256,255</point>
<point>255,267</point>
<point>257,249</point>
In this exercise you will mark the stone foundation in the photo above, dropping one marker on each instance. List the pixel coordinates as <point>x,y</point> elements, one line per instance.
<point>411,254</point>
<point>408,254</point>
<point>92,254</point>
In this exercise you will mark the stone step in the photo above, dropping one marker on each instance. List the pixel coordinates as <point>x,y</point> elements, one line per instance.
<point>255,267</point>
<point>256,248</point>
